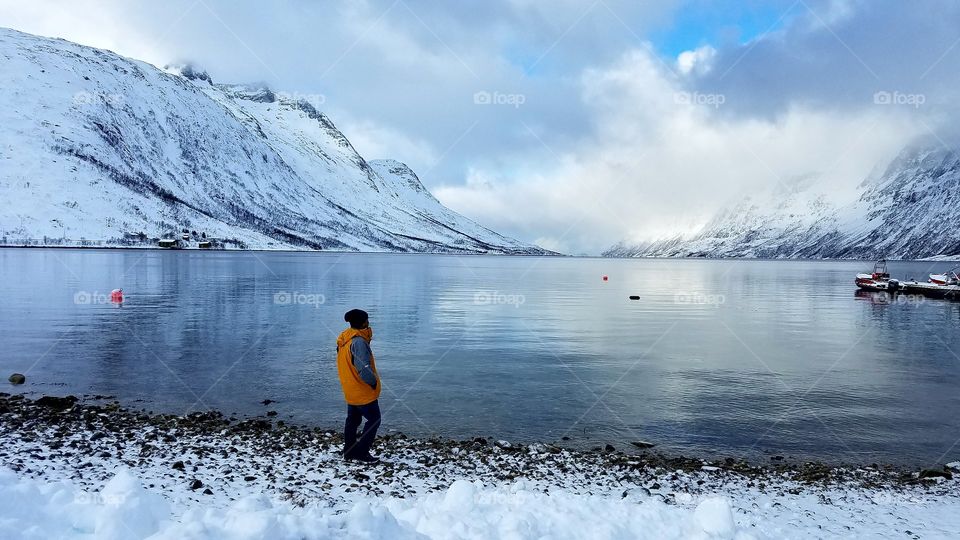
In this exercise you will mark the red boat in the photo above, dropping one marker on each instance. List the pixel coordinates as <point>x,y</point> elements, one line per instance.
<point>878,280</point>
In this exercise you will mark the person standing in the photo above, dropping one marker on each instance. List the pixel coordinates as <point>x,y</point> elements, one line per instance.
<point>361,386</point>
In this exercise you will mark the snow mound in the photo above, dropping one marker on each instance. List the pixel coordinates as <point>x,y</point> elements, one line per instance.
<point>125,509</point>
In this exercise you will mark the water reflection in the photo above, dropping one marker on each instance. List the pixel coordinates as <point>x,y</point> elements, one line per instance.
<point>716,357</point>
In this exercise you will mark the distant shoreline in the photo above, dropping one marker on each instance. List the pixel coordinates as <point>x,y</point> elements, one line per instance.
<point>286,250</point>
<point>950,259</point>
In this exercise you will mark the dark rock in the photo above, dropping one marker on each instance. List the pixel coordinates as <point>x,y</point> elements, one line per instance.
<point>267,401</point>
<point>196,484</point>
<point>642,444</point>
<point>207,492</point>
<point>249,478</point>
<point>564,438</point>
<point>609,448</point>
<point>813,472</point>
<point>17,378</point>
<point>178,466</point>
<point>936,473</point>
<point>56,403</point>
<point>271,413</point>
<point>480,441</point>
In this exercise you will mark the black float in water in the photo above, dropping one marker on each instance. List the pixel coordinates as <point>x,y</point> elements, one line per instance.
<point>634,297</point>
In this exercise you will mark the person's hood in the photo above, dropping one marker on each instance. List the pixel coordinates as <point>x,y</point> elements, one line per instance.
<point>350,333</point>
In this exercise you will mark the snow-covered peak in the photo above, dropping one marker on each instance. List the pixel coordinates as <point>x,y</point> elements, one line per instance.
<point>899,212</point>
<point>398,176</point>
<point>99,149</point>
<point>189,71</point>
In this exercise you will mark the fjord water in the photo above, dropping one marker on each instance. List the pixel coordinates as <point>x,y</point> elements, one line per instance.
<point>718,357</point>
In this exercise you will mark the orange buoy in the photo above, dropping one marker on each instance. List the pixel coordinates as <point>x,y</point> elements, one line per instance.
<point>116,296</point>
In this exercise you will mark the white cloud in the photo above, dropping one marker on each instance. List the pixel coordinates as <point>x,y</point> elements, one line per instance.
<point>375,141</point>
<point>655,164</point>
<point>697,61</point>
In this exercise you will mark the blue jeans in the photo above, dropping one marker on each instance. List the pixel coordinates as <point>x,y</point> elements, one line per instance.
<point>356,414</point>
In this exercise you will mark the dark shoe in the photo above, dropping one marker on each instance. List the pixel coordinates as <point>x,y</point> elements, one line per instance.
<point>364,458</point>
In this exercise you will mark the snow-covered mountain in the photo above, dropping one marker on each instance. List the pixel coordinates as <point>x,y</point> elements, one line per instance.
<point>909,211</point>
<point>100,149</point>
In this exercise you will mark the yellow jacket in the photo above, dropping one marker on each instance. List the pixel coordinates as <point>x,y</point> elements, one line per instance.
<point>355,391</point>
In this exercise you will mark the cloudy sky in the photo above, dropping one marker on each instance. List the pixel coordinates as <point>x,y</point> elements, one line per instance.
<point>575,124</point>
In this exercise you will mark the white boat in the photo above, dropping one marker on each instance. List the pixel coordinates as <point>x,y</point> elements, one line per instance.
<point>948,278</point>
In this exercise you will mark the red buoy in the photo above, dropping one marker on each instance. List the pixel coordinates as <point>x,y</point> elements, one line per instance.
<point>116,296</point>
<point>605,278</point>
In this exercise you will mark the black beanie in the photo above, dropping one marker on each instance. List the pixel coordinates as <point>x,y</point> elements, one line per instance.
<point>356,317</point>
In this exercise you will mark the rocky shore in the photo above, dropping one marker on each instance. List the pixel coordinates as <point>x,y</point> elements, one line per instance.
<point>91,464</point>
<point>204,454</point>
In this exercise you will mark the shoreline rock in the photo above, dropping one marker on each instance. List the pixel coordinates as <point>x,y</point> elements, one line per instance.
<point>85,442</point>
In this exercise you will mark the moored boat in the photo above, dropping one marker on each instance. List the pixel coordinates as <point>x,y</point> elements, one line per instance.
<point>932,290</point>
<point>946,285</point>
<point>947,278</point>
<point>878,280</point>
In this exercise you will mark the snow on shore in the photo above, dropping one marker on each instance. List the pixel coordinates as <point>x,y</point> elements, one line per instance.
<point>77,470</point>
<point>123,509</point>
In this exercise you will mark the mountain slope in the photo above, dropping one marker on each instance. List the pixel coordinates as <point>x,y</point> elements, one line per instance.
<point>98,147</point>
<point>907,212</point>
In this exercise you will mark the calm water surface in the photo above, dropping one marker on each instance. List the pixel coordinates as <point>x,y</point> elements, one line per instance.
<point>743,358</point>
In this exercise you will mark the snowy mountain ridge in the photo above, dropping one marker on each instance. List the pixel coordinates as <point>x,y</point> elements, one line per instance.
<point>905,212</point>
<point>98,149</point>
